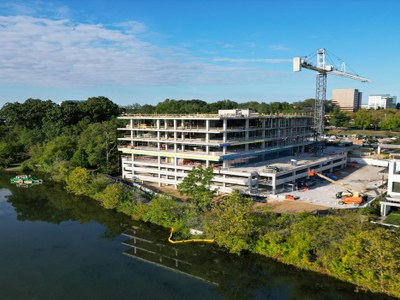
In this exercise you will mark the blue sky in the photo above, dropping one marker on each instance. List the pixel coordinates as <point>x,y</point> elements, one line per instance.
<point>144,51</point>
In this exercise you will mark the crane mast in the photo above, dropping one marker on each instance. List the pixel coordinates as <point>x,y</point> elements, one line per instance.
<point>322,70</point>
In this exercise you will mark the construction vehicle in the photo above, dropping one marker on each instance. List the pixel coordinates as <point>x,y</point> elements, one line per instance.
<point>347,197</point>
<point>291,197</point>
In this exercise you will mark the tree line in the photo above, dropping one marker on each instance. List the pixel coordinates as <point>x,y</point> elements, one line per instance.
<point>43,134</point>
<point>381,119</point>
<point>172,106</point>
<point>343,244</point>
<point>76,142</point>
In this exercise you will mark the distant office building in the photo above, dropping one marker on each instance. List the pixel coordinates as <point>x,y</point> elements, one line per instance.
<point>381,101</point>
<point>347,99</point>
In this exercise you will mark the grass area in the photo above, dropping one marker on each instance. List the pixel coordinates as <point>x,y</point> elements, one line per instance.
<point>364,132</point>
<point>393,218</point>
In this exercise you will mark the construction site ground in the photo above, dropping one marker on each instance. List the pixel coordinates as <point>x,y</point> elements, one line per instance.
<point>362,178</point>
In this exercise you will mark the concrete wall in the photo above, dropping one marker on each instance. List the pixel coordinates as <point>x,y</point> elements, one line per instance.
<point>392,198</point>
<point>369,161</point>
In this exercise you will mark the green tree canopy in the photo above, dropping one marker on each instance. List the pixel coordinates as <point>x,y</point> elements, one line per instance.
<point>197,185</point>
<point>78,181</point>
<point>230,222</point>
<point>338,118</point>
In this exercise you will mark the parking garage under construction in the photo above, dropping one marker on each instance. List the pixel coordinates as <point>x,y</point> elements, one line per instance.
<point>255,153</point>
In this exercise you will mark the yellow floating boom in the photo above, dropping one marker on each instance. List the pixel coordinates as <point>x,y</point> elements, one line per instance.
<point>187,241</point>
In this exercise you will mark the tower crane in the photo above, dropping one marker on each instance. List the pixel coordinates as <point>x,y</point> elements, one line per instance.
<point>322,70</point>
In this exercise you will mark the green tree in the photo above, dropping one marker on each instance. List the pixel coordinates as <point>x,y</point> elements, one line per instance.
<point>59,170</point>
<point>78,181</point>
<point>338,118</point>
<point>99,109</point>
<point>363,119</point>
<point>391,122</point>
<point>230,223</point>
<point>58,149</point>
<point>162,210</point>
<point>29,114</point>
<point>197,185</point>
<point>371,258</point>
<point>97,147</point>
<point>113,195</point>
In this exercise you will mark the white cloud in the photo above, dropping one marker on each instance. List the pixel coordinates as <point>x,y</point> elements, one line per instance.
<point>61,53</point>
<point>253,60</point>
<point>35,8</point>
<point>278,47</point>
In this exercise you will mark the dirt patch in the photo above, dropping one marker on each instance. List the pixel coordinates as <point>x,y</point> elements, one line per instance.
<point>290,207</point>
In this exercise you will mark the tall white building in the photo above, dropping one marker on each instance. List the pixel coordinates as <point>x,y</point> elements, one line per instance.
<point>383,101</point>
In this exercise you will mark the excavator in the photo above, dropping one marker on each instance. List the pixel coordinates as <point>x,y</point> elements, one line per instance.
<point>347,197</point>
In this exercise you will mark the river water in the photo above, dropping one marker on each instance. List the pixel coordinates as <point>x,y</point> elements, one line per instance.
<point>57,246</point>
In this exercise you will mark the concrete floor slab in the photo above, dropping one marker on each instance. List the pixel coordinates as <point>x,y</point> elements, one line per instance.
<point>362,178</point>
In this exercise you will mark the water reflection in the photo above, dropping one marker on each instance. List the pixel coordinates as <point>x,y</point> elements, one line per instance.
<point>50,203</point>
<point>234,277</point>
<point>63,253</point>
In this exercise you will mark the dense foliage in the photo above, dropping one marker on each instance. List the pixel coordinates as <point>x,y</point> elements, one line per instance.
<point>43,134</point>
<point>74,140</point>
<point>171,106</point>
<point>342,244</point>
<point>383,119</point>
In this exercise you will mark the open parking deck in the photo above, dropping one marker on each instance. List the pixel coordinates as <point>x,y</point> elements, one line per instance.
<point>362,178</point>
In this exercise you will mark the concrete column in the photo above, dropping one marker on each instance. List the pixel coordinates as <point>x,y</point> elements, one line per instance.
<point>247,133</point>
<point>273,184</point>
<point>224,128</point>
<point>158,123</point>
<point>133,167</point>
<point>384,209</point>
<point>207,149</point>
<point>207,125</point>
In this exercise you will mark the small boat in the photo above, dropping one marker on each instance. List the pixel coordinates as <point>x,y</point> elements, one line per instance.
<point>25,180</point>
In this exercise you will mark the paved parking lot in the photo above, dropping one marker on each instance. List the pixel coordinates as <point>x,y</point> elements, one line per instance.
<point>361,178</point>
